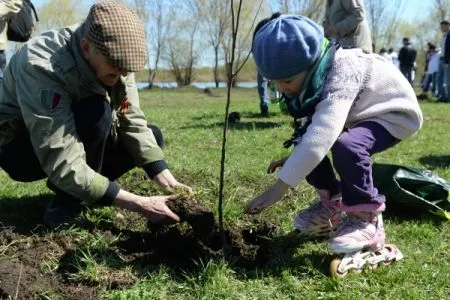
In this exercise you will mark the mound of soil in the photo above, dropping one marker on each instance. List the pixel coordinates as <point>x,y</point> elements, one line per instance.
<point>181,246</point>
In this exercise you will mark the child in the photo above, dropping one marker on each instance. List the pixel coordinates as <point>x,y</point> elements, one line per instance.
<point>356,104</point>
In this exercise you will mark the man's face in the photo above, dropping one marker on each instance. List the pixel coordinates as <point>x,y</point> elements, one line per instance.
<point>292,86</point>
<point>105,71</point>
<point>445,28</point>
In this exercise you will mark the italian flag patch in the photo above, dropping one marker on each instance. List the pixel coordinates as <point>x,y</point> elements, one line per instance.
<point>51,100</point>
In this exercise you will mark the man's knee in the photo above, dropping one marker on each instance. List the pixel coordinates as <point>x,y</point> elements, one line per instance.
<point>157,134</point>
<point>93,117</point>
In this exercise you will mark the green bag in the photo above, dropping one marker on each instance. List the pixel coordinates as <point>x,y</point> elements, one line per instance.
<point>409,189</point>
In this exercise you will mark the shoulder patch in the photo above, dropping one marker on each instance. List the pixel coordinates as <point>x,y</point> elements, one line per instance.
<point>51,100</point>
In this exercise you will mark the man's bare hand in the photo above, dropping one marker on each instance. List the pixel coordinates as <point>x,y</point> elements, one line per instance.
<point>154,208</point>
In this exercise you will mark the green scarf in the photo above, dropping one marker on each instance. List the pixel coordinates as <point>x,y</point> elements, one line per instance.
<point>311,94</point>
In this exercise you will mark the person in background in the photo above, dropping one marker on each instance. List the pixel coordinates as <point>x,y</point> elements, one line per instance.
<point>383,53</point>
<point>346,22</point>
<point>394,57</point>
<point>8,8</point>
<point>444,69</point>
<point>407,58</point>
<point>263,83</point>
<point>263,92</point>
<point>429,69</point>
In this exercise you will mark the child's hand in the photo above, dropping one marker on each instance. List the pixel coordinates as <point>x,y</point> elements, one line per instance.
<point>274,165</point>
<point>272,195</point>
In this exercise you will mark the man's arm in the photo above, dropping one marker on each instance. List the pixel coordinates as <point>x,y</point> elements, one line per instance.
<point>9,8</point>
<point>355,15</point>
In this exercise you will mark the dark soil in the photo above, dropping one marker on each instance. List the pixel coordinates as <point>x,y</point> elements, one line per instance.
<point>186,245</point>
<point>197,239</point>
<point>20,269</point>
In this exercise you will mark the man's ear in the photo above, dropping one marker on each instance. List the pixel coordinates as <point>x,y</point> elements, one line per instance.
<point>85,46</point>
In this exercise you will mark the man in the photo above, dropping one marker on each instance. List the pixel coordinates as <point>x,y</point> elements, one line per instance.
<point>69,112</point>
<point>8,8</point>
<point>443,73</point>
<point>407,58</point>
<point>345,21</point>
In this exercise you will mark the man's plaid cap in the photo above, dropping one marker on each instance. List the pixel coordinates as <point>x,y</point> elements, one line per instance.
<point>118,33</point>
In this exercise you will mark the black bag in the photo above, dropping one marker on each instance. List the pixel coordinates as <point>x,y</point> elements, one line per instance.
<point>410,189</point>
<point>22,24</point>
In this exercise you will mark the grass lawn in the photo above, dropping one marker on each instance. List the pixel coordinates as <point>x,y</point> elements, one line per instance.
<point>87,262</point>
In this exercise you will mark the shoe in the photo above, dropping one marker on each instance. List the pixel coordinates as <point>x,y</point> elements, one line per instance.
<point>62,211</point>
<point>359,231</point>
<point>321,218</point>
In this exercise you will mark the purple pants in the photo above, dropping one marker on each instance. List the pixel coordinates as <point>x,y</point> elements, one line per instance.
<point>352,160</point>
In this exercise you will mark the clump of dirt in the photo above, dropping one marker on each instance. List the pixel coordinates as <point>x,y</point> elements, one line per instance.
<point>198,216</point>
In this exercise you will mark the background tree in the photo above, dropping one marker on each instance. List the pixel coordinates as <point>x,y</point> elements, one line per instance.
<point>59,13</point>
<point>383,17</point>
<point>441,9</point>
<point>238,44</point>
<point>215,16</point>
<point>313,9</point>
<point>183,43</point>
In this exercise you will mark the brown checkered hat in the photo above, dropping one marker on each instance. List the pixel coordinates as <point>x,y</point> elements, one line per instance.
<point>119,34</point>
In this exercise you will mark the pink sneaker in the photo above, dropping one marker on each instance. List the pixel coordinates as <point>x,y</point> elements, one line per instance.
<point>359,231</point>
<point>321,218</point>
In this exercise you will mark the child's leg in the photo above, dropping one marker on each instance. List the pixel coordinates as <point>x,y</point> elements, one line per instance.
<point>352,152</point>
<point>322,216</point>
<point>352,160</point>
<point>323,178</point>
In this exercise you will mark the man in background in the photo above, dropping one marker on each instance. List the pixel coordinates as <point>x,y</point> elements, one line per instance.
<point>346,22</point>
<point>8,8</point>
<point>407,58</point>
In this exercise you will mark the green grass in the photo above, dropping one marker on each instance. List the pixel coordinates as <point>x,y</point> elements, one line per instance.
<point>192,124</point>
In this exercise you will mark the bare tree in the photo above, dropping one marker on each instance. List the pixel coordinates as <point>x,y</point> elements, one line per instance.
<point>215,17</point>
<point>313,9</point>
<point>442,8</point>
<point>230,79</point>
<point>383,17</point>
<point>59,13</point>
<point>182,52</point>
<point>238,44</point>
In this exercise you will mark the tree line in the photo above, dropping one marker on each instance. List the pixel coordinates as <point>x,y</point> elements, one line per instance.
<point>184,33</point>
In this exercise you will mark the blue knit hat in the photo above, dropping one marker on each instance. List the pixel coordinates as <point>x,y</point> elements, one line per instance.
<point>286,46</point>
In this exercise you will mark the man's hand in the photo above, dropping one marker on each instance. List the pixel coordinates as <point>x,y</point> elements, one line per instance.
<point>154,208</point>
<point>272,195</point>
<point>274,165</point>
<point>330,31</point>
<point>166,181</point>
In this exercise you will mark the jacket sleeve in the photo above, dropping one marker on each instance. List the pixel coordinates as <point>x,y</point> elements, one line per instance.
<point>328,121</point>
<point>135,134</point>
<point>447,49</point>
<point>9,8</point>
<point>355,15</point>
<point>46,110</point>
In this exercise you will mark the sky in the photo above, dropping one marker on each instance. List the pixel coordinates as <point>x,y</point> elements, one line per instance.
<point>413,8</point>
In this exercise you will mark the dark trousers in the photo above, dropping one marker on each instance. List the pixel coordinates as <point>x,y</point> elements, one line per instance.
<point>407,72</point>
<point>93,124</point>
<point>352,160</point>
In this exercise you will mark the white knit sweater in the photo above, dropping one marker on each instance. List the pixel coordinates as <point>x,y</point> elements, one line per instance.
<point>360,87</point>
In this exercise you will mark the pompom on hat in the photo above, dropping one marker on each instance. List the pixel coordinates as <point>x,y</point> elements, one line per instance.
<point>287,46</point>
